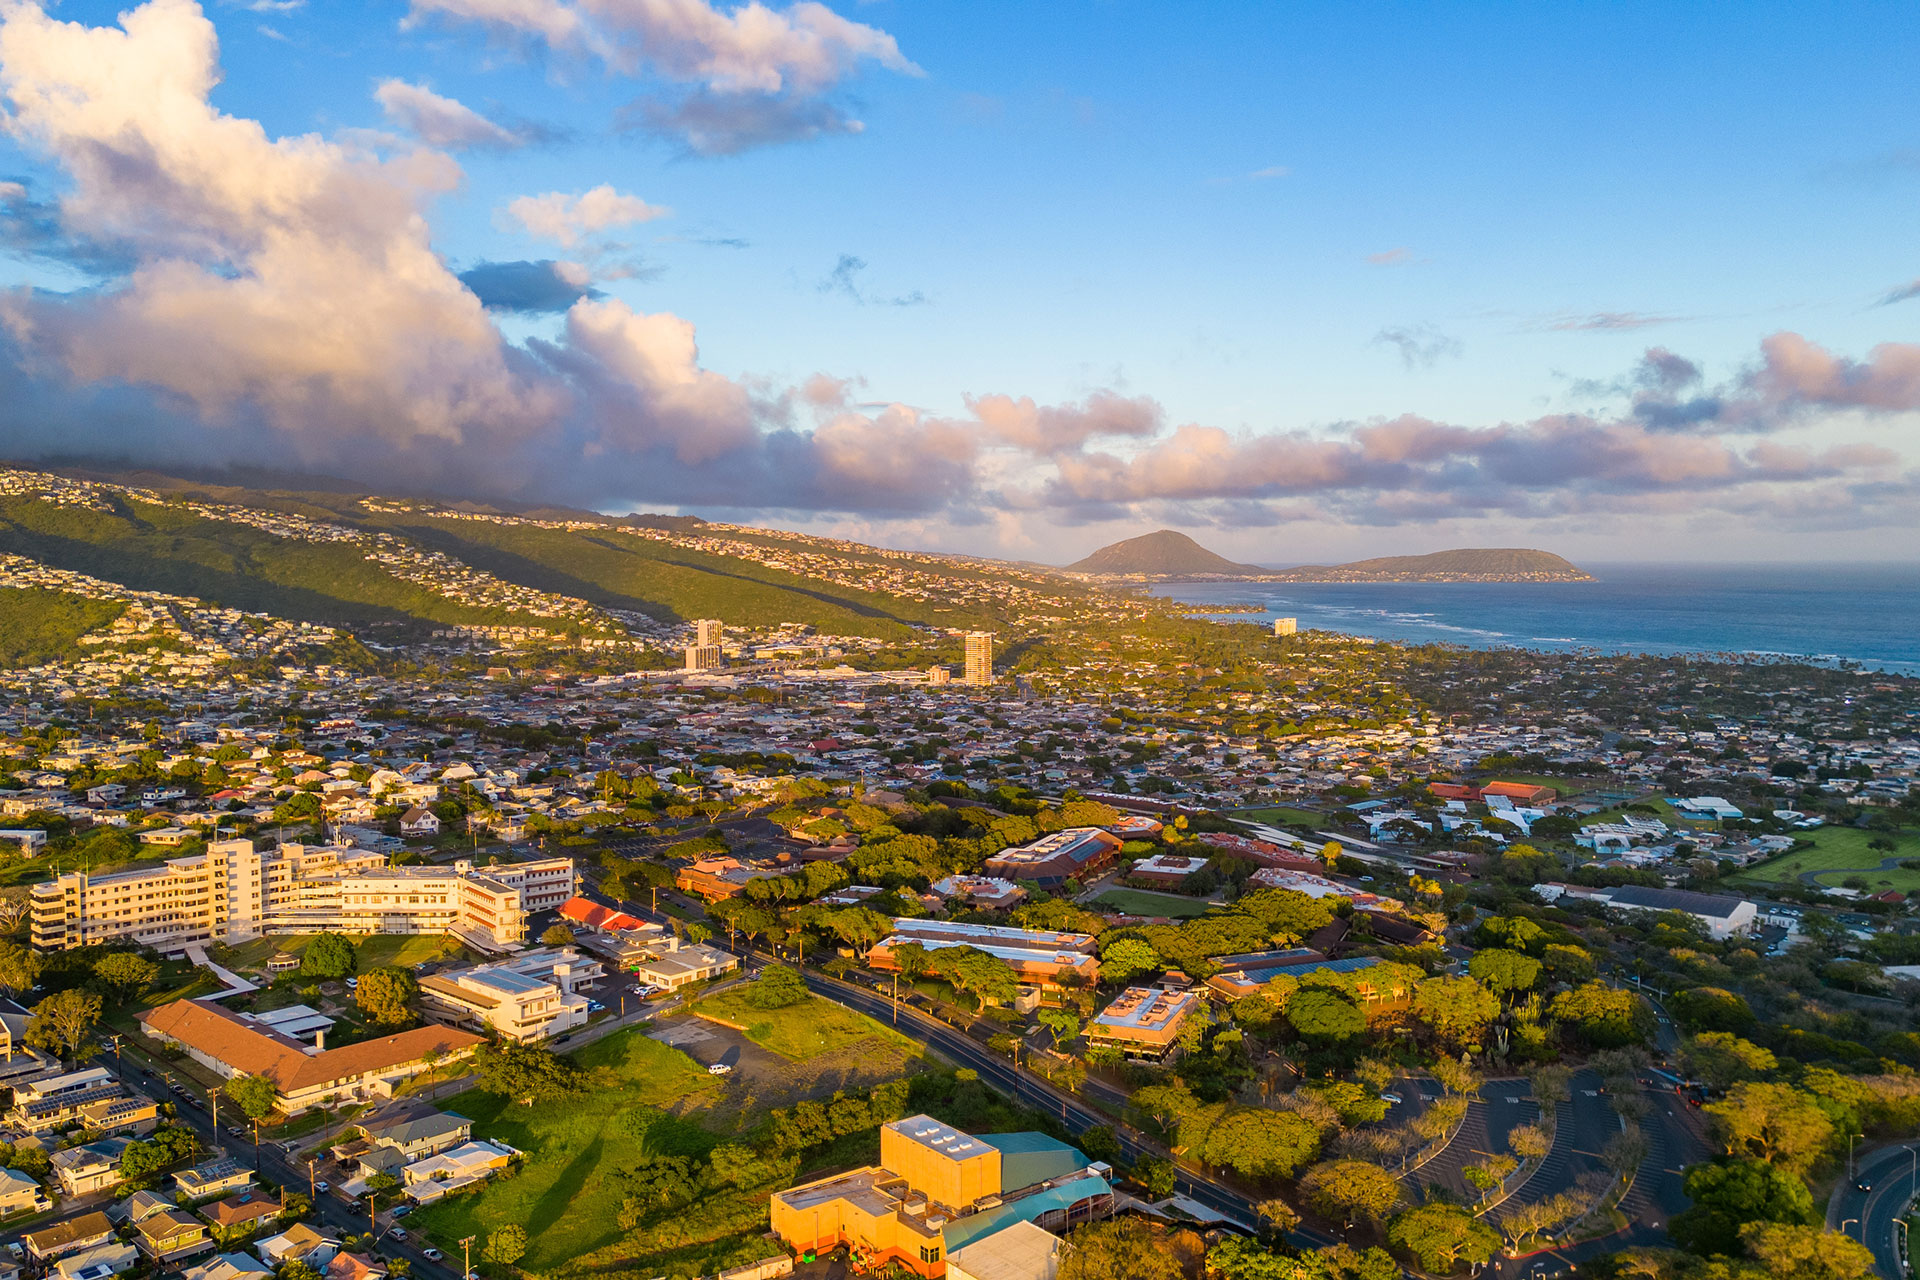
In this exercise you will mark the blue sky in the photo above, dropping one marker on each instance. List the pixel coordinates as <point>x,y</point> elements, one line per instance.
<point>1284,225</point>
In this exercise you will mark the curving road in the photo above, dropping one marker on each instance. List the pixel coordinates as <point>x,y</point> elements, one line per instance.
<point>1872,1216</point>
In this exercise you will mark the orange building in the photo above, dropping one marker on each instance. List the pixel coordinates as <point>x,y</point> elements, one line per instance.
<point>937,1189</point>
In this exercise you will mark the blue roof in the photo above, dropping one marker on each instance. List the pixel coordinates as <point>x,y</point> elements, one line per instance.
<point>964,1231</point>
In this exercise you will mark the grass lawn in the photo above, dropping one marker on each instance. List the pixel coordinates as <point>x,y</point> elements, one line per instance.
<point>1145,902</point>
<point>800,1031</point>
<point>568,1193</point>
<point>1839,852</point>
<point>374,949</point>
<point>1282,815</point>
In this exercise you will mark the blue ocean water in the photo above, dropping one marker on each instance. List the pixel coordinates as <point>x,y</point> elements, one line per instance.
<point>1869,614</point>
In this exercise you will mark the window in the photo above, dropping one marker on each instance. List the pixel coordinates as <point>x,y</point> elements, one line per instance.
<point>929,1253</point>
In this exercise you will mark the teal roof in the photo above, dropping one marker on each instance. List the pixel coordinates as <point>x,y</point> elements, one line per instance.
<point>962,1232</point>
<point>1028,1141</point>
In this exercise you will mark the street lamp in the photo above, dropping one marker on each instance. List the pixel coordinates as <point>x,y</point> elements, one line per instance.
<point>466,1256</point>
<point>1844,1222</point>
<point>1850,1138</point>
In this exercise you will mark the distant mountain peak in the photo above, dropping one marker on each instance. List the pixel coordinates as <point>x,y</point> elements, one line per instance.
<point>1163,552</point>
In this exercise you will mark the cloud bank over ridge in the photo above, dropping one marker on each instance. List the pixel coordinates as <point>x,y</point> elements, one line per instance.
<point>277,301</point>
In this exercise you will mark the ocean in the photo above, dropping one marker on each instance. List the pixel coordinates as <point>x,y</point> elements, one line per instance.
<point>1866,614</point>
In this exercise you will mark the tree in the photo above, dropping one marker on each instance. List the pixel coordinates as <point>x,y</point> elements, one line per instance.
<point>1457,1009</point>
<point>1325,1015</point>
<point>1061,1023</point>
<point>1122,1249</point>
<point>1723,1059</point>
<point>1730,1194</point>
<point>988,976</point>
<point>1775,1122</point>
<point>1259,1143</point>
<point>1603,1017</point>
<point>1127,958</point>
<point>387,994</point>
<point>1278,1215</point>
<point>62,1022</point>
<point>506,1245</point>
<point>1350,1191</point>
<point>256,1095</point>
<point>526,1073</point>
<point>1528,1141</point>
<point>1806,1253</point>
<point>1504,971</point>
<point>128,973</point>
<point>1439,1237</point>
<point>1710,1009</point>
<point>19,968</point>
<point>777,987</point>
<point>1239,1258</point>
<point>912,959</point>
<point>556,935</point>
<point>328,956</point>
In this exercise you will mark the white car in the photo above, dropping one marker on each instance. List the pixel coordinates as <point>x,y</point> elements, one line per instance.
<point>323,1187</point>
<point>433,1255</point>
<point>720,1069</point>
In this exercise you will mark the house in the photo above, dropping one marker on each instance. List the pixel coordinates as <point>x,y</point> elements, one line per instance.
<point>110,1258</point>
<point>214,1177</point>
<point>171,1234</point>
<point>420,823</point>
<point>19,1193</point>
<point>418,1131</point>
<point>71,1236</point>
<point>248,1209</point>
<point>298,1243</point>
<point>136,1115</point>
<point>229,1266</point>
<point>473,1162</point>
<point>304,1074</point>
<point>1169,869</point>
<point>352,1266</point>
<point>52,1102</point>
<point>90,1168</point>
<point>139,1206</point>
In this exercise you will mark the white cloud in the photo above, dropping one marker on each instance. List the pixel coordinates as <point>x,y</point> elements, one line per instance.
<point>439,121</point>
<point>566,219</point>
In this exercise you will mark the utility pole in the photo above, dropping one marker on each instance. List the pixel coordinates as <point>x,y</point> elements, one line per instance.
<point>466,1256</point>
<point>313,1192</point>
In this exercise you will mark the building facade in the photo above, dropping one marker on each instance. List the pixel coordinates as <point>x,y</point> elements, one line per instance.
<point>233,892</point>
<point>532,996</point>
<point>979,657</point>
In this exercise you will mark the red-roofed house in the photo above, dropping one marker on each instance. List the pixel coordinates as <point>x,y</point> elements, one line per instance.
<point>584,911</point>
<point>304,1074</point>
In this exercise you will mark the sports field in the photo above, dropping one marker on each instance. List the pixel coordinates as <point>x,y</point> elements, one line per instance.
<point>1145,902</point>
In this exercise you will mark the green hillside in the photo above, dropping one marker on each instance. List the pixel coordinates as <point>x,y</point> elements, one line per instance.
<point>41,626</point>
<point>161,547</point>
<point>626,571</point>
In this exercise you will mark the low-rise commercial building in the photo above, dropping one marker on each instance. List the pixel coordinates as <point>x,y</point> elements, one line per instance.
<point>671,964</point>
<point>1723,916</point>
<point>1167,869</point>
<point>1038,957</point>
<point>303,1075</point>
<point>528,997</point>
<point>1052,860</point>
<point>1143,1022</point>
<point>938,1191</point>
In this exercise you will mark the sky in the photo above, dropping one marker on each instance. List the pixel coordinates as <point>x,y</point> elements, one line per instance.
<point>1307,281</point>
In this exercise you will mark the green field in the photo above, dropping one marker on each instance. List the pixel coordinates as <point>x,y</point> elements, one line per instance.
<point>1839,852</point>
<point>1145,902</point>
<point>1281,816</point>
<point>41,626</point>
<point>801,1031</point>
<point>569,1191</point>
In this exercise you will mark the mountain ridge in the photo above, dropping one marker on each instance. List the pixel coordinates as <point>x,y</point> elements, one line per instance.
<point>1164,552</point>
<point>1167,553</point>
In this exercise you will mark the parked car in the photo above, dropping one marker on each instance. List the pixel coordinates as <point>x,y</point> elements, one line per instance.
<point>594,1006</point>
<point>399,1233</point>
<point>352,983</point>
<point>720,1069</point>
<point>402,1211</point>
<point>433,1255</point>
<point>236,1130</point>
<point>323,1187</point>
<point>15,1248</point>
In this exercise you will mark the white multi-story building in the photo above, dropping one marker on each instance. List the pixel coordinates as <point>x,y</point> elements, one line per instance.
<point>233,892</point>
<point>979,668</point>
<point>529,997</point>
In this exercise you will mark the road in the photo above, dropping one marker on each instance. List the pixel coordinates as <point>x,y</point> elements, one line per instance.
<point>1872,1216</point>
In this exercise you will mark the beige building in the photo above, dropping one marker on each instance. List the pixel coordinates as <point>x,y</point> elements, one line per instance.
<point>233,892</point>
<point>979,657</point>
<point>529,997</point>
